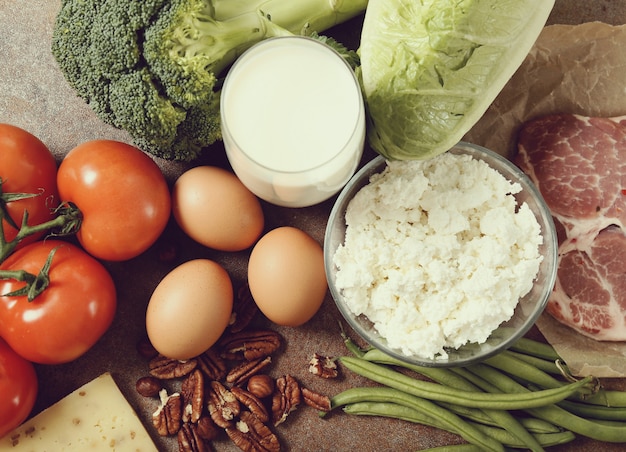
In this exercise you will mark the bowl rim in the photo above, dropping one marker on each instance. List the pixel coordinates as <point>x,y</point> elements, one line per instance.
<point>509,336</point>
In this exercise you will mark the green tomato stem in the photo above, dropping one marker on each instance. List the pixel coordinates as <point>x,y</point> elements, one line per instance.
<point>67,222</point>
<point>35,284</point>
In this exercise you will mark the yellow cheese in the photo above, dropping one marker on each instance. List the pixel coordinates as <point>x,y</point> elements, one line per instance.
<point>95,417</point>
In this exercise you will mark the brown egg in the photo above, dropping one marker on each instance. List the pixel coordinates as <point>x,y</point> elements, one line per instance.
<point>286,276</point>
<point>214,208</point>
<point>189,309</point>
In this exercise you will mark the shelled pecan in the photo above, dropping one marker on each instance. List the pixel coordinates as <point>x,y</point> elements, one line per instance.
<point>212,364</point>
<point>222,404</point>
<point>315,400</point>
<point>192,392</point>
<point>243,371</point>
<point>323,366</point>
<point>207,429</point>
<point>167,417</point>
<point>167,368</point>
<point>190,441</point>
<point>250,345</point>
<point>252,403</point>
<point>286,398</point>
<point>252,435</point>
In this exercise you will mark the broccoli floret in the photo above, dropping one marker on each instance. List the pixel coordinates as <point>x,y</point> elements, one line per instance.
<point>152,67</point>
<point>71,47</point>
<point>150,118</point>
<point>185,47</point>
<point>200,126</point>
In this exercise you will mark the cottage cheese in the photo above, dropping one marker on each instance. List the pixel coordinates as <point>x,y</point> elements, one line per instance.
<point>436,253</point>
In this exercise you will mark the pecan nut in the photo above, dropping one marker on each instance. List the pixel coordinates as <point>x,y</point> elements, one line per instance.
<point>244,310</point>
<point>167,417</point>
<point>252,435</point>
<point>190,441</point>
<point>323,366</point>
<point>242,372</point>
<point>222,404</point>
<point>212,364</point>
<point>250,345</point>
<point>261,385</point>
<point>318,401</point>
<point>286,398</point>
<point>167,368</point>
<point>192,392</point>
<point>250,401</point>
<point>148,386</point>
<point>207,429</point>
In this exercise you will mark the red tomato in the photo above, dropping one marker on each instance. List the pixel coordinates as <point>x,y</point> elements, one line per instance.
<point>27,166</point>
<point>18,386</point>
<point>122,194</point>
<point>69,316</point>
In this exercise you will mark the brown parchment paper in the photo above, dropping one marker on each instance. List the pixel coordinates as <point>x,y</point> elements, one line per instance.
<point>577,69</point>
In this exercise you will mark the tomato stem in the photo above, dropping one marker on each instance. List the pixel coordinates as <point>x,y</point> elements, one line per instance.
<point>35,284</point>
<point>67,222</point>
<point>6,198</point>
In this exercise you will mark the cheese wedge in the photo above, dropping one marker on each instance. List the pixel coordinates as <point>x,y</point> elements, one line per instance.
<point>95,417</point>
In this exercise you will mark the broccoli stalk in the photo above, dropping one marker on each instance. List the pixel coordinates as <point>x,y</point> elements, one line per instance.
<point>153,67</point>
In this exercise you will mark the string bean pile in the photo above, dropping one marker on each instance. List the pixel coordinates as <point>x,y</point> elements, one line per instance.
<point>522,398</point>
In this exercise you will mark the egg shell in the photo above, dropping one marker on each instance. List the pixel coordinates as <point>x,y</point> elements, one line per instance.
<point>215,209</point>
<point>286,276</point>
<point>189,309</point>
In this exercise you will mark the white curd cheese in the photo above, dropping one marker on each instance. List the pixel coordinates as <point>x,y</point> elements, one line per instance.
<point>437,253</point>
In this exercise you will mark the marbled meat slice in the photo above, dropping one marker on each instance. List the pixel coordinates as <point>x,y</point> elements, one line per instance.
<point>578,164</point>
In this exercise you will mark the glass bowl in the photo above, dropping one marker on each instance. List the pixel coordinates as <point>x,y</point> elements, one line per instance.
<point>528,308</point>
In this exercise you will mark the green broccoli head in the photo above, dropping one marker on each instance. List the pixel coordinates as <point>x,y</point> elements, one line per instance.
<point>98,45</point>
<point>71,47</point>
<point>199,128</point>
<point>138,107</point>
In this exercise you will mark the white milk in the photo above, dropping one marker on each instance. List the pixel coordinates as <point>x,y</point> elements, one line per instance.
<point>293,121</point>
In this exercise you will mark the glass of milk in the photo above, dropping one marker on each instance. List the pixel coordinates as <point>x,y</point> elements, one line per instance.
<point>293,120</point>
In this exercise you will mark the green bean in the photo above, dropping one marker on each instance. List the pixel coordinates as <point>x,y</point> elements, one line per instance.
<point>476,380</point>
<point>536,425</point>
<point>608,398</point>
<point>594,411</point>
<point>545,439</point>
<point>601,431</point>
<point>611,433</point>
<point>518,368</point>
<point>535,348</point>
<point>529,348</point>
<point>446,377</point>
<point>395,411</point>
<point>435,391</point>
<point>540,363</point>
<point>439,374</point>
<point>390,409</point>
<point>448,420</point>
<point>472,414</point>
<point>531,424</point>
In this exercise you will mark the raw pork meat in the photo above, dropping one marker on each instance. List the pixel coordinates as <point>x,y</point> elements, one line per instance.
<point>579,165</point>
